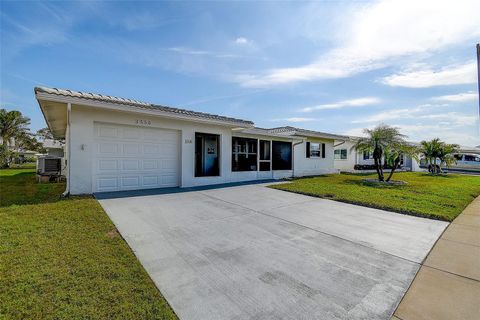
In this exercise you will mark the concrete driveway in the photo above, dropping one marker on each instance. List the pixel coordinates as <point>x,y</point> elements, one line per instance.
<point>251,252</point>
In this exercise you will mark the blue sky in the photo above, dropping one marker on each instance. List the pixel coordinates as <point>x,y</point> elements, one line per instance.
<point>334,66</point>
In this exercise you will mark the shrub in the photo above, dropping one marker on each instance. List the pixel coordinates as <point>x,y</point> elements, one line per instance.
<point>368,167</point>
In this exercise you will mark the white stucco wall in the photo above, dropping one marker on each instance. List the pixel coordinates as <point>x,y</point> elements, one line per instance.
<point>82,133</point>
<point>352,157</point>
<point>304,166</point>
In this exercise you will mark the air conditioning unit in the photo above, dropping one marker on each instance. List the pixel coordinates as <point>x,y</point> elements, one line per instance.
<point>49,166</point>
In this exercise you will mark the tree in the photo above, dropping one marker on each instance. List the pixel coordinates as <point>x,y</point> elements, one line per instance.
<point>15,135</point>
<point>6,156</point>
<point>393,156</point>
<point>27,141</point>
<point>45,133</point>
<point>446,153</point>
<point>437,149</point>
<point>376,141</point>
<point>430,150</point>
<point>12,124</point>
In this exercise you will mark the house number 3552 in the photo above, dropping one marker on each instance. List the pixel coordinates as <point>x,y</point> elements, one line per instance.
<point>143,122</point>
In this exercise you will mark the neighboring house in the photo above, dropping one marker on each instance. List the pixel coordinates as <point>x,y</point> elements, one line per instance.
<point>114,144</point>
<point>346,157</point>
<point>21,155</point>
<point>53,147</point>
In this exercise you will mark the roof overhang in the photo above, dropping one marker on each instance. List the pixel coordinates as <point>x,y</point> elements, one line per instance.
<point>54,109</point>
<point>320,136</point>
<point>55,114</point>
<point>266,134</point>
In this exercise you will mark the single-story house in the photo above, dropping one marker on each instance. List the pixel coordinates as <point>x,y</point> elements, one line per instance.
<point>114,144</point>
<point>53,147</point>
<point>346,157</point>
<point>21,155</point>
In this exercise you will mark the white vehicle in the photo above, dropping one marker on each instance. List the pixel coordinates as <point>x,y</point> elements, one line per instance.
<point>467,161</point>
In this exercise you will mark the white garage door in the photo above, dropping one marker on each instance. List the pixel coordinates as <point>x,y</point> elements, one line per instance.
<point>129,158</point>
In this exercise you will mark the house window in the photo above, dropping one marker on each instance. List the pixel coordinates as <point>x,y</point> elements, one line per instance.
<point>207,155</point>
<point>315,150</point>
<point>340,154</point>
<point>366,155</point>
<point>281,155</point>
<point>244,154</point>
<point>265,160</point>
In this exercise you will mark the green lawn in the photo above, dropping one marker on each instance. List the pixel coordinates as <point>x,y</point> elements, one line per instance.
<point>63,259</point>
<point>438,197</point>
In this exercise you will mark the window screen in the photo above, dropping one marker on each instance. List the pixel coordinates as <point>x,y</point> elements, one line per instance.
<point>281,155</point>
<point>244,154</point>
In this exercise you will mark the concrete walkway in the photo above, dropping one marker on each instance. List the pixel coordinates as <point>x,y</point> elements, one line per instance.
<point>447,285</point>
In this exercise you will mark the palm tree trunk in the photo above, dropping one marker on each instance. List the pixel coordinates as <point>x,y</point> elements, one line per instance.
<point>378,167</point>
<point>397,162</point>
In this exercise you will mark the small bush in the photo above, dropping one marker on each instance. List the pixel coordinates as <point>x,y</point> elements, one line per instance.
<point>368,167</point>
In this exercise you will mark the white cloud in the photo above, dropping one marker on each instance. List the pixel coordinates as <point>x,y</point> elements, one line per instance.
<point>380,34</point>
<point>424,78</point>
<point>358,102</point>
<point>294,119</point>
<point>194,52</point>
<point>460,134</point>
<point>242,41</point>
<point>460,97</point>
<point>425,112</point>
<point>185,50</point>
<point>392,114</point>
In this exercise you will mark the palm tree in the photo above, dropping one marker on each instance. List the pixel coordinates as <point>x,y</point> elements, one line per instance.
<point>431,150</point>
<point>376,141</point>
<point>437,149</point>
<point>445,154</point>
<point>12,125</point>
<point>394,153</point>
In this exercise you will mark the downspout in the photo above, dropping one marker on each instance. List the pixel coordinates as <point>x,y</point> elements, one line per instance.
<point>293,156</point>
<point>66,193</point>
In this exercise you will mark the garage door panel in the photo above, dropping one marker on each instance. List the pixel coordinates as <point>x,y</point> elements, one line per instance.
<point>107,164</point>
<point>150,181</point>
<point>108,148</point>
<point>169,148</point>
<point>169,180</point>
<point>132,133</point>
<point>151,135</point>
<point>131,164</point>
<point>130,158</point>
<point>151,149</point>
<point>130,182</point>
<point>107,183</point>
<point>150,164</point>
<point>169,164</point>
<point>131,149</point>
<point>170,137</point>
<point>107,132</point>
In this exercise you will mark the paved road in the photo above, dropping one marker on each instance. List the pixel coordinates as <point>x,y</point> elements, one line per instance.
<point>251,252</point>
